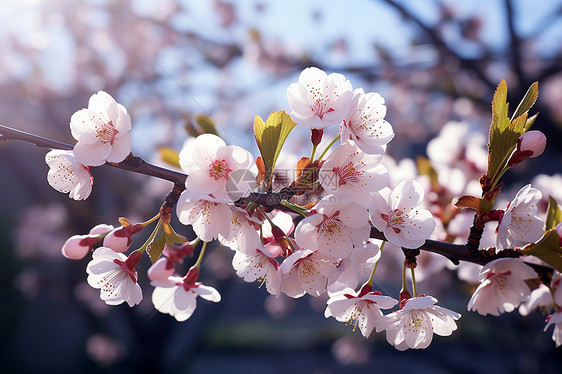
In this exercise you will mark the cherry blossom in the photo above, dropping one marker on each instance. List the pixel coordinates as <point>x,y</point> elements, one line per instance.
<point>365,124</point>
<point>208,218</point>
<point>177,296</point>
<point>305,271</point>
<point>258,265</point>
<point>556,319</point>
<point>211,164</point>
<point>348,170</point>
<point>361,309</point>
<point>539,297</point>
<point>276,244</point>
<point>78,246</point>
<point>119,239</point>
<point>398,215</point>
<point>415,323</point>
<point>67,175</point>
<point>319,100</point>
<point>115,275</point>
<point>530,145</point>
<point>242,233</point>
<point>520,223</point>
<point>356,267</point>
<point>102,131</point>
<point>334,227</point>
<point>502,286</point>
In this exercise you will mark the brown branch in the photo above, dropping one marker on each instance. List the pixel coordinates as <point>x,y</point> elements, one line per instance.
<point>269,200</point>
<point>465,63</point>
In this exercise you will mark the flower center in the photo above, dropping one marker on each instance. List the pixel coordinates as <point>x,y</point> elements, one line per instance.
<point>106,133</point>
<point>347,174</point>
<point>320,102</point>
<point>219,169</point>
<point>394,219</point>
<point>331,225</point>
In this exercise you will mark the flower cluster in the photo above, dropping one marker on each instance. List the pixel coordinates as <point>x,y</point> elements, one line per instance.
<point>102,134</point>
<point>318,237</point>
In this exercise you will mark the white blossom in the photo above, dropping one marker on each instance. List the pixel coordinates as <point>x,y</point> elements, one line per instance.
<point>305,271</point>
<point>258,265</point>
<point>337,224</point>
<point>319,100</point>
<point>102,131</point>
<point>415,323</point>
<point>208,218</point>
<point>398,215</point>
<point>115,275</point>
<point>520,224</point>
<point>361,309</point>
<point>67,175</point>
<point>502,286</point>
<point>348,170</point>
<point>365,124</point>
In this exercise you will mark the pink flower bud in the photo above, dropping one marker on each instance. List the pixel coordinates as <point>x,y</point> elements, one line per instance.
<point>74,249</point>
<point>532,143</point>
<point>118,239</point>
<point>159,270</point>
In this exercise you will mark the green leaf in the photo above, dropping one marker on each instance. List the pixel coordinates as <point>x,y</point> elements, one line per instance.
<point>425,168</point>
<point>503,132</point>
<point>528,100</point>
<point>554,214</point>
<point>162,235</point>
<point>270,137</point>
<point>207,124</point>
<point>169,156</point>
<point>547,249</point>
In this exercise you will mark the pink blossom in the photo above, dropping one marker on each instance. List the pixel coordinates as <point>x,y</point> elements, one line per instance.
<point>115,275</point>
<point>119,239</point>
<point>212,166</point>
<point>208,218</point>
<point>177,296</point>
<point>78,246</point>
<point>415,323</point>
<point>530,145</point>
<point>520,224</point>
<point>67,175</point>
<point>539,297</point>
<point>102,131</point>
<point>319,100</point>
<point>276,244</point>
<point>502,286</point>
<point>398,215</point>
<point>348,170</point>
<point>365,124</point>
<point>361,308</point>
<point>356,268</point>
<point>305,271</point>
<point>258,265</point>
<point>242,233</point>
<point>334,227</point>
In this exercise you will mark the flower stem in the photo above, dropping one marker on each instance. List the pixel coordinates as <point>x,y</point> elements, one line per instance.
<point>314,146</point>
<point>146,223</point>
<point>151,237</point>
<point>201,254</point>
<point>328,147</point>
<point>412,270</point>
<point>294,207</point>
<point>370,281</point>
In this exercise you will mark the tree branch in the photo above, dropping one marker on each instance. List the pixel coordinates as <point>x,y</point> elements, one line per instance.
<point>467,64</point>
<point>269,200</point>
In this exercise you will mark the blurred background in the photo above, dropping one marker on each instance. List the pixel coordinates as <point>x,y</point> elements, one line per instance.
<point>167,61</point>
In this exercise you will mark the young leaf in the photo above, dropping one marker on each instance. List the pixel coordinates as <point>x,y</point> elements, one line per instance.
<point>270,137</point>
<point>169,156</point>
<point>164,235</point>
<point>528,100</point>
<point>547,249</point>
<point>554,214</point>
<point>207,124</point>
<point>503,132</point>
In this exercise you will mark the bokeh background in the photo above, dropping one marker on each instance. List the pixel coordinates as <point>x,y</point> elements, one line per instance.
<point>167,61</point>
